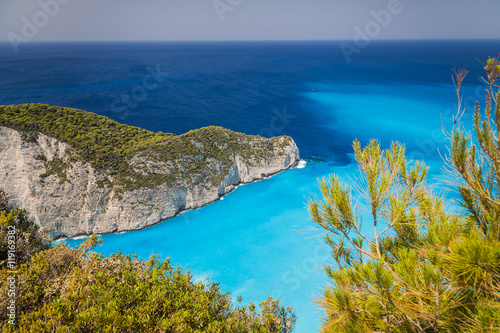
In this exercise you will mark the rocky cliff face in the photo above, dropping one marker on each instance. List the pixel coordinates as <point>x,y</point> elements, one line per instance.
<point>71,198</point>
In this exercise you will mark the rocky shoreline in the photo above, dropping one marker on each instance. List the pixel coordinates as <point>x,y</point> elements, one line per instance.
<point>186,210</point>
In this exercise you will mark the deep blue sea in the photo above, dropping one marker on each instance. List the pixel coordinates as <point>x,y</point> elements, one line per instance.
<point>259,240</point>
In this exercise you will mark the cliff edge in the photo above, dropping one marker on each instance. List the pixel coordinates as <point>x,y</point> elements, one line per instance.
<point>78,173</point>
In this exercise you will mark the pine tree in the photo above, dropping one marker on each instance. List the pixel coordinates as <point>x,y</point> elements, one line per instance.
<point>423,268</point>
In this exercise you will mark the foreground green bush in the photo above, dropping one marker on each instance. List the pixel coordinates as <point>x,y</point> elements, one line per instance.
<point>61,289</point>
<point>421,269</point>
<point>28,237</point>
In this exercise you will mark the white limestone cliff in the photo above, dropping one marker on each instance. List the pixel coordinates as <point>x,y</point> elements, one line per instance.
<point>79,206</point>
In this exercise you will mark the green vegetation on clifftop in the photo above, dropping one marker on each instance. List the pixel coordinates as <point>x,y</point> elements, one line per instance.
<point>122,151</point>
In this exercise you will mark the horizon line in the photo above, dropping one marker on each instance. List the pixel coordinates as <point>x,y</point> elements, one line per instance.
<point>257,40</point>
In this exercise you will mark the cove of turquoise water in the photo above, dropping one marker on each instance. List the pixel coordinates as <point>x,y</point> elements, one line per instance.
<point>259,240</point>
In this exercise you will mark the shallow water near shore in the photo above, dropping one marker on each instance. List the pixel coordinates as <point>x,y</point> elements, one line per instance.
<point>259,240</point>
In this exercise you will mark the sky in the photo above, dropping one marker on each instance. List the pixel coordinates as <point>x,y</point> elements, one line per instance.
<point>177,20</point>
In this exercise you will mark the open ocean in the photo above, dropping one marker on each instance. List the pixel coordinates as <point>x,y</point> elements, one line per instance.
<point>259,240</point>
